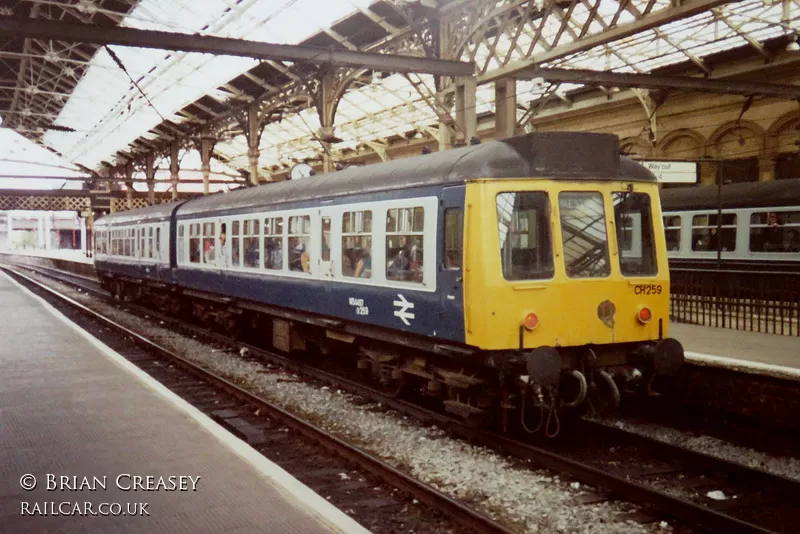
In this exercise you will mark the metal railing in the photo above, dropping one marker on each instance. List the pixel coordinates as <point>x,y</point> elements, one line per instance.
<point>755,301</point>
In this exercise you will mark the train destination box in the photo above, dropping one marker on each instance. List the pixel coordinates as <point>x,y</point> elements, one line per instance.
<point>673,172</point>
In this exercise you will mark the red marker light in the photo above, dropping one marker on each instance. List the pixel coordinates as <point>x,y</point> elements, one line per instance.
<point>644,315</point>
<point>531,321</point>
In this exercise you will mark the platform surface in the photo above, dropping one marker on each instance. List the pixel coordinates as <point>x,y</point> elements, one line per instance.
<point>70,408</point>
<point>751,350</point>
<point>78,256</point>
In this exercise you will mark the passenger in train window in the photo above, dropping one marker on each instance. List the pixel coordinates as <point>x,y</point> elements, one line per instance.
<point>222,255</point>
<point>398,266</point>
<point>299,257</point>
<point>364,265</point>
<point>773,234</point>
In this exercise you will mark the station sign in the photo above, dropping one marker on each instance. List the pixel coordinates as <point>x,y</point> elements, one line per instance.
<point>673,172</point>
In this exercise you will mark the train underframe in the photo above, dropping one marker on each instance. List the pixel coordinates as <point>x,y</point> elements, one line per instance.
<point>528,391</point>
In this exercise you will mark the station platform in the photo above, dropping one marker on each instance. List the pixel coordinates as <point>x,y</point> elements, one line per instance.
<point>77,256</point>
<point>71,407</point>
<point>750,352</point>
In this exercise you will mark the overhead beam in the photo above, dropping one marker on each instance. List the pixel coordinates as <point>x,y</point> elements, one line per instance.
<point>686,9</point>
<point>650,81</point>
<point>114,35</point>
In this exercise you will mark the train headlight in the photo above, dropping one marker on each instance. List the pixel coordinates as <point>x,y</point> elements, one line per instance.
<point>644,315</point>
<point>531,321</point>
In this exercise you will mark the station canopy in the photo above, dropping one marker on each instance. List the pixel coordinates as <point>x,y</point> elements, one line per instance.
<point>92,104</point>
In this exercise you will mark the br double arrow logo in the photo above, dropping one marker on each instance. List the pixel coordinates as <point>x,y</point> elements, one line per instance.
<point>403,312</point>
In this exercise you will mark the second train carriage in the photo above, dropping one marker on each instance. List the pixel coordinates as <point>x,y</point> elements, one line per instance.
<point>759,229</point>
<point>527,270</point>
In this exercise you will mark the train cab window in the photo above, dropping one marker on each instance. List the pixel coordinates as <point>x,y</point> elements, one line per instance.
<point>357,244</point>
<point>583,234</point>
<point>236,244</point>
<point>250,243</point>
<point>524,231</point>
<point>775,231</point>
<point>453,238</point>
<point>273,243</point>
<point>194,243</point>
<point>633,220</point>
<point>672,232</point>
<point>404,244</point>
<point>704,233</point>
<point>299,244</point>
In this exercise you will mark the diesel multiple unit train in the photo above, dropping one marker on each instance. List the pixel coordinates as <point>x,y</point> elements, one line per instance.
<point>511,279</point>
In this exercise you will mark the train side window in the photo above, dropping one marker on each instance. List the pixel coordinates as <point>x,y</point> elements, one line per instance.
<point>194,243</point>
<point>523,226</point>
<point>704,233</point>
<point>142,233</point>
<point>299,244</point>
<point>775,231</point>
<point>672,232</point>
<point>236,244</point>
<point>150,242</point>
<point>181,244</point>
<point>250,243</point>
<point>357,244</point>
<point>273,243</point>
<point>158,242</point>
<point>404,244</point>
<point>453,238</point>
<point>209,250</point>
<point>129,244</point>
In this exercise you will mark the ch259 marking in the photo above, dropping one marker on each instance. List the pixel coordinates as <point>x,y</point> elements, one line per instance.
<point>648,289</point>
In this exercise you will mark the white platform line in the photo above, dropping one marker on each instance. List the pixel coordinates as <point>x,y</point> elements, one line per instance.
<point>305,498</point>
<point>743,365</point>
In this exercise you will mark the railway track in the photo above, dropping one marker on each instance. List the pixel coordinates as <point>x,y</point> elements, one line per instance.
<point>235,409</point>
<point>667,481</point>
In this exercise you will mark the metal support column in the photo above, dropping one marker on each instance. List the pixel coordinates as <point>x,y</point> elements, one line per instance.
<point>466,108</point>
<point>48,225</point>
<point>83,234</point>
<point>206,147</point>
<point>173,168</point>
<point>505,98</point>
<point>150,175</point>
<point>327,112</point>
<point>39,233</point>
<point>129,184</point>
<point>253,139</point>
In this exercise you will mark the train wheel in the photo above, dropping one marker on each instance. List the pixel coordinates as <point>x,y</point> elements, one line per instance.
<point>393,381</point>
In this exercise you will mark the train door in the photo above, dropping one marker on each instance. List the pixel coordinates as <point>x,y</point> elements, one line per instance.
<point>329,249</point>
<point>451,254</point>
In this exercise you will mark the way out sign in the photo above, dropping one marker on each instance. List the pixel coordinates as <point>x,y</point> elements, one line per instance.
<point>673,172</point>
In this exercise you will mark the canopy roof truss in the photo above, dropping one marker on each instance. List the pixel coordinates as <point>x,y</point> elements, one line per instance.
<point>298,119</point>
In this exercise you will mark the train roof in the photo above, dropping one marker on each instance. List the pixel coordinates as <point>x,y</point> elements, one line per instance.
<point>742,195</point>
<point>158,212</point>
<point>557,155</point>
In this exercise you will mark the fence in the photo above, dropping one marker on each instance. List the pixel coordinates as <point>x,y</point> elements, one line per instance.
<point>743,300</point>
